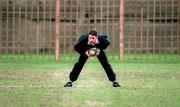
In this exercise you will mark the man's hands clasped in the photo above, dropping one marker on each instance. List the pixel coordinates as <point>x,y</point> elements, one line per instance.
<point>92,52</point>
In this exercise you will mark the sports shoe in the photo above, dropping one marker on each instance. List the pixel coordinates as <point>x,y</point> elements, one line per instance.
<point>116,84</point>
<point>68,84</point>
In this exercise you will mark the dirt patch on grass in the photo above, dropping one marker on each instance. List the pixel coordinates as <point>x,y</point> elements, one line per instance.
<point>93,103</point>
<point>55,74</point>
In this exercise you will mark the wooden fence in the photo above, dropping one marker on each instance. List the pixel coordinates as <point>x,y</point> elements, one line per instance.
<point>52,27</point>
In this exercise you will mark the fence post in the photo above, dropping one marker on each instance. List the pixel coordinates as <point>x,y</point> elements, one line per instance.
<point>57,47</point>
<point>0,28</point>
<point>121,31</point>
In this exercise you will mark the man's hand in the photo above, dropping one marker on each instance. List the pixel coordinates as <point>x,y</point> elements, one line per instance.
<point>87,53</point>
<point>90,53</point>
<point>93,52</point>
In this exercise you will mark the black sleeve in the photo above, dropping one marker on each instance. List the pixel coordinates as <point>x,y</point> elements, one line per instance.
<point>104,42</point>
<point>80,45</point>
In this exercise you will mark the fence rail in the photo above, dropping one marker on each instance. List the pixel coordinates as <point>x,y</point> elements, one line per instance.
<point>29,26</point>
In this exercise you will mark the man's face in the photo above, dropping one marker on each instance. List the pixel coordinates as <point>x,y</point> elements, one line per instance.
<point>92,39</point>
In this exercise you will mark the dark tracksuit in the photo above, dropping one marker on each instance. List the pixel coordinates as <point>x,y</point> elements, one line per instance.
<point>82,46</point>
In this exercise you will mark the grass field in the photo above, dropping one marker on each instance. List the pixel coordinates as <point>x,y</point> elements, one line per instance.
<point>39,83</point>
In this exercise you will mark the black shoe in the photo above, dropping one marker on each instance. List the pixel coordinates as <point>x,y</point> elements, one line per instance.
<point>68,84</point>
<point>116,84</point>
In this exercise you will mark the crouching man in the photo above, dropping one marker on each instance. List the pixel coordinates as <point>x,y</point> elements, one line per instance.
<point>90,45</point>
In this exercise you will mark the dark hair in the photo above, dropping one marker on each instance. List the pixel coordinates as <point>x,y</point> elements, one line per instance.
<point>93,32</point>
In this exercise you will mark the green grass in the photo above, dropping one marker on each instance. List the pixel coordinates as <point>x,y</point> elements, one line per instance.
<point>128,58</point>
<point>38,82</point>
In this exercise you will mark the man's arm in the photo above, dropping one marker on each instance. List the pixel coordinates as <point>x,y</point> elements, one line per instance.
<point>104,42</point>
<point>80,45</point>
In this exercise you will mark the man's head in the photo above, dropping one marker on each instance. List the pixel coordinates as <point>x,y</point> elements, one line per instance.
<point>93,32</point>
<point>92,37</point>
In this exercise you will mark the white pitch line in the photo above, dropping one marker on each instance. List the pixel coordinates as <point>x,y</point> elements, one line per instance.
<point>19,86</point>
<point>10,86</point>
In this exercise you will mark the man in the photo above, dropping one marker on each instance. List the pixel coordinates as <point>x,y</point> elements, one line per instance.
<point>89,45</point>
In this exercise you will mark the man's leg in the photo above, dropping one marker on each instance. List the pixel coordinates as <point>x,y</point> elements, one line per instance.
<point>107,67</point>
<point>76,69</point>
